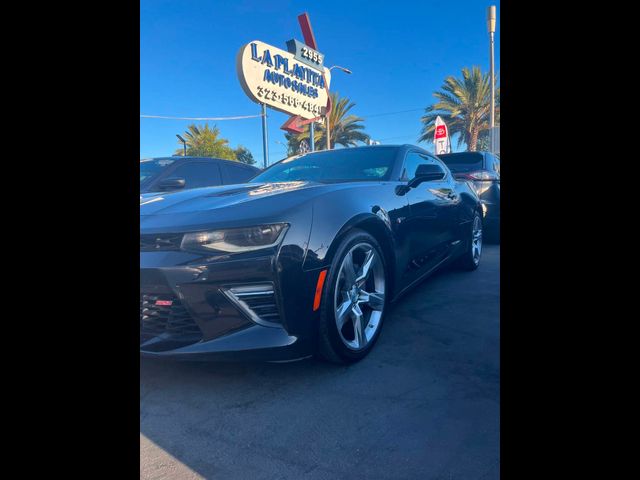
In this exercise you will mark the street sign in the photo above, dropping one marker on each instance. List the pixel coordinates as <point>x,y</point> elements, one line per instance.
<point>305,54</point>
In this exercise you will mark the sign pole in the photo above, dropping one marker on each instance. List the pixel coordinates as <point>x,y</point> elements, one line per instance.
<point>265,143</point>
<point>328,132</point>
<point>311,137</point>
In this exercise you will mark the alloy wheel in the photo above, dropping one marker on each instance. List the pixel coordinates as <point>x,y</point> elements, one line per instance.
<point>476,240</point>
<point>359,296</point>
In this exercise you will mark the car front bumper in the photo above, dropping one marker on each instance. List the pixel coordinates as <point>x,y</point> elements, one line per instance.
<point>190,310</point>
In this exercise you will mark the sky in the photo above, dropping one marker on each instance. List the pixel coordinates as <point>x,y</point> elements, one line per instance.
<point>399,53</point>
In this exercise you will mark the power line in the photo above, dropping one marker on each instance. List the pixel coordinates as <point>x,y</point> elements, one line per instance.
<point>241,117</point>
<point>393,113</point>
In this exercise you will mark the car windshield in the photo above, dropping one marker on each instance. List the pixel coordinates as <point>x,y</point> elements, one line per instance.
<point>152,166</point>
<point>342,165</point>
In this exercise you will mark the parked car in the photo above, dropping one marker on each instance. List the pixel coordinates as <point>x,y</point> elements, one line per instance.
<point>168,174</point>
<point>482,170</point>
<point>303,259</point>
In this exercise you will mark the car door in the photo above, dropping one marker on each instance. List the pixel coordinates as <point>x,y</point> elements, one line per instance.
<point>430,220</point>
<point>197,174</point>
<point>448,205</point>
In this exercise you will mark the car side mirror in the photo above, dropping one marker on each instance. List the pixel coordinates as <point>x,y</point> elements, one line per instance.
<point>424,173</point>
<point>174,183</point>
<point>427,172</point>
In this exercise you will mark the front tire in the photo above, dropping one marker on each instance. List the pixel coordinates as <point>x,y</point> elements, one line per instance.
<point>353,300</point>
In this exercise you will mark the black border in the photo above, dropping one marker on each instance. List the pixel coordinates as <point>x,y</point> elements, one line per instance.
<point>73,234</point>
<point>72,231</point>
<point>558,231</point>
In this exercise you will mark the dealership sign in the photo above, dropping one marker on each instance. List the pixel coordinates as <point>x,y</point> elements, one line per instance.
<point>293,82</point>
<point>441,137</point>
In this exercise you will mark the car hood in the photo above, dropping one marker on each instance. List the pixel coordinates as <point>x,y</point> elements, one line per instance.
<point>228,204</point>
<point>213,198</point>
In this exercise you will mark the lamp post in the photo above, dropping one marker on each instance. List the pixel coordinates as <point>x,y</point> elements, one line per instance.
<point>491,26</point>
<point>184,144</point>
<point>284,145</point>
<point>348,72</point>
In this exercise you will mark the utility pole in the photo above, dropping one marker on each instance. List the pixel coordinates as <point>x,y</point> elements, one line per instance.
<point>491,26</point>
<point>348,72</point>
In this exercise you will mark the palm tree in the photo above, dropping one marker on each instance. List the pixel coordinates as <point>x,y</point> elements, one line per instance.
<point>203,141</point>
<point>464,105</point>
<point>244,155</point>
<point>346,128</point>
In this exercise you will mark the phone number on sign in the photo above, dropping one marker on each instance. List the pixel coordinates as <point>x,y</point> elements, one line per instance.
<point>285,99</point>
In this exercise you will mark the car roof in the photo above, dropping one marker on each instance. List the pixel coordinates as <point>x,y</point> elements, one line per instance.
<point>404,146</point>
<point>180,158</point>
<point>479,152</point>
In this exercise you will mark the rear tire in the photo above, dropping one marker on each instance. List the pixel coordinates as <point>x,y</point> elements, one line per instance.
<point>470,260</point>
<point>354,300</point>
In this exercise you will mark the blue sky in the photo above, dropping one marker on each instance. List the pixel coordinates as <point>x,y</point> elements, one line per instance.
<point>399,52</point>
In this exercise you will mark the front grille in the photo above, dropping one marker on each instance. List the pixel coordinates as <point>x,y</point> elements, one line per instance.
<point>257,301</point>
<point>161,241</point>
<point>165,315</point>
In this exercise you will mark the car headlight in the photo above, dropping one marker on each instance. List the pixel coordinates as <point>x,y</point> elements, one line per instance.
<point>234,240</point>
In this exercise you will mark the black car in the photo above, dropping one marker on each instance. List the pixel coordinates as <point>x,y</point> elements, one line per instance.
<point>482,170</point>
<point>181,173</point>
<point>305,258</point>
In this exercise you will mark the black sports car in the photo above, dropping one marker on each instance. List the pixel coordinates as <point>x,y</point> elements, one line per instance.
<point>305,258</point>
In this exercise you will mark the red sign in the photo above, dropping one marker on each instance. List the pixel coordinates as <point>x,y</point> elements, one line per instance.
<point>295,123</point>
<point>307,31</point>
<point>441,131</point>
<point>291,125</point>
<point>164,303</point>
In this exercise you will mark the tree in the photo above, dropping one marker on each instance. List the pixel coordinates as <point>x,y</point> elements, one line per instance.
<point>464,105</point>
<point>484,142</point>
<point>203,141</point>
<point>244,155</point>
<point>346,129</point>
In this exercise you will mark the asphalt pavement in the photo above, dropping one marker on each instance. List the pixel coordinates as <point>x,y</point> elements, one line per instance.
<point>425,403</point>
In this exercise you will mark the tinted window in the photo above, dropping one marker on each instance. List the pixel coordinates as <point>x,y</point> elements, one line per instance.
<point>411,162</point>
<point>198,174</point>
<point>232,174</point>
<point>153,166</point>
<point>342,165</point>
<point>463,161</point>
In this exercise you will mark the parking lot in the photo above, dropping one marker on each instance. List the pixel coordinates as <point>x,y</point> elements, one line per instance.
<point>425,403</point>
